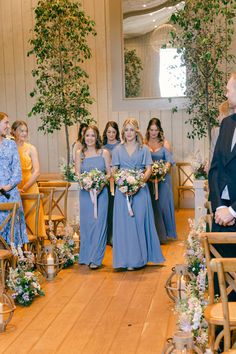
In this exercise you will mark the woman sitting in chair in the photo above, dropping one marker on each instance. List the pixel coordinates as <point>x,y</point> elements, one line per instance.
<point>30,171</point>
<point>10,176</point>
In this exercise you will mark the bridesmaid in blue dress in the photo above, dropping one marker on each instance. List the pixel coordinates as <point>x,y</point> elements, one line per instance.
<point>164,206</point>
<point>111,138</point>
<point>10,176</point>
<point>93,232</point>
<point>135,240</point>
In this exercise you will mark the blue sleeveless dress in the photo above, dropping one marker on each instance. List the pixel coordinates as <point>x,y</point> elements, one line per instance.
<point>93,232</point>
<point>110,148</point>
<point>10,173</point>
<point>135,240</point>
<point>165,196</point>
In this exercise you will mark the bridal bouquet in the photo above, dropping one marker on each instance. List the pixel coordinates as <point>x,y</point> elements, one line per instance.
<point>159,170</point>
<point>93,181</point>
<point>129,182</point>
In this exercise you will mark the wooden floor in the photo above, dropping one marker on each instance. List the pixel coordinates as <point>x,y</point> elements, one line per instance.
<point>100,311</point>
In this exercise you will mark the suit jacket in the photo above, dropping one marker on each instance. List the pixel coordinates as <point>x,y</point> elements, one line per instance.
<point>223,165</point>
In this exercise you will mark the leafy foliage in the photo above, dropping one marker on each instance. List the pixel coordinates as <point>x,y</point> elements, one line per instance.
<point>133,68</point>
<point>61,49</point>
<point>204,37</point>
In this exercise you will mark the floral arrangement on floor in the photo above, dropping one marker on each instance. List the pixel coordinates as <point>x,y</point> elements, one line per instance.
<point>65,247</point>
<point>128,183</point>
<point>199,166</point>
<point>23,281</point>
<point>68,173</point>
<point>191,308</point>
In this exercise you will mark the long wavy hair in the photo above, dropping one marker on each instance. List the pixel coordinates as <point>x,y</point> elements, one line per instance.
<point>114,125</point>
<point>98,143</point>
<point>157,123</point>
<point>16,125</point>
<point>80,132</point>
<point>134,123</point>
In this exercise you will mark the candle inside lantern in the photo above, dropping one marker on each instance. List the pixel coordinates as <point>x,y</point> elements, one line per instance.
<point>76,236</point>
<point>50,264</point>
<point>1,314</point>
<point>183,288</point>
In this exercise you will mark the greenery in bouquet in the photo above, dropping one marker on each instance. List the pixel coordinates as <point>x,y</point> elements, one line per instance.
<point>129,181</point>
<point>23,281</point>
<point>68,172</point>
<point>191,308</point>
<point>159,170</point>
<point>92,180</point>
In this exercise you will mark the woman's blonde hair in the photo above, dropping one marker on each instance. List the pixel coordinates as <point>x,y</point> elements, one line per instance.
<point>3,115</point>
<point>134,123</point>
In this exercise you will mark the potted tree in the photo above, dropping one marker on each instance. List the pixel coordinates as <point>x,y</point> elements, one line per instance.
<point>60,47</point>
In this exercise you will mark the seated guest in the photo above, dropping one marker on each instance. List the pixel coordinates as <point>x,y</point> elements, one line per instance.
<point>10,176</point>
<point>30,171</point>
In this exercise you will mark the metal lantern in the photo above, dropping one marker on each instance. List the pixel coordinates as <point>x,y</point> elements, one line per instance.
<point>7,308</point>
<point>181,343</point>
<point>176,283</point>
<point>48,262</point>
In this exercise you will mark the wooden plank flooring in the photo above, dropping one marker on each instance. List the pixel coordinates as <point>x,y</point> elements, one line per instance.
<point>102,312</point>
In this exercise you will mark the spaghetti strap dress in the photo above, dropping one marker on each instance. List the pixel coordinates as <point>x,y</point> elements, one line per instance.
<point>93,232</point>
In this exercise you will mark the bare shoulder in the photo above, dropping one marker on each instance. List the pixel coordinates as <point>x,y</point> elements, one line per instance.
<point>106,153</point>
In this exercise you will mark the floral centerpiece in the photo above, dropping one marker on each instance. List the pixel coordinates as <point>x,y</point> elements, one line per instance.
<point>191,308</point>
<point>199,166</point>
<point>159,170</point>
<point>68,172</point>
<point>93,181</point>
<point>66,246</point>
<point>23,281</point>
<point>128,183</point>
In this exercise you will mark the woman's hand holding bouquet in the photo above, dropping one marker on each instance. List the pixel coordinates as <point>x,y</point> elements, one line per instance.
<point>159,170</point>
<point>93,181</point>
<point>129,182</point>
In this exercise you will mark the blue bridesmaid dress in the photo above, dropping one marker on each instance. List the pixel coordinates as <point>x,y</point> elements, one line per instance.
<point>10,173</point>
<point>135,240</point>
<point>93,232</point>
<point>165,200</point>
<point>110,148</point>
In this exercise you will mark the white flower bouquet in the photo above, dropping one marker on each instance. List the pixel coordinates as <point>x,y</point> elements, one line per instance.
<point>129,182</point>
<point>68,172</point>
<point>93,181</point>
<point>199,166</point>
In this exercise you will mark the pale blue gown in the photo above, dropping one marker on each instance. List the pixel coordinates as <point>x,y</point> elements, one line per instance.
<point>110,148</point>
<point>93,232</point>
<point>135,240</point>
<point>10,173</point>
<point>165,200</point>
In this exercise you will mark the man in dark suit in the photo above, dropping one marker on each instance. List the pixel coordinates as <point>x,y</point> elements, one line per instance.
<point>222,174</point>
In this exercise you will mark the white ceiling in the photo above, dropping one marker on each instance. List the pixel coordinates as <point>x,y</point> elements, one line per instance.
<point>135,24</point>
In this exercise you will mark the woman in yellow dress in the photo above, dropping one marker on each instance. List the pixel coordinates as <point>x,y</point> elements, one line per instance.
<point>30,171</point>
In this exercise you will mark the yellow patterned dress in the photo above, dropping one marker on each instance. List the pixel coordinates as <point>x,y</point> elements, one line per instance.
<point>27,167</point>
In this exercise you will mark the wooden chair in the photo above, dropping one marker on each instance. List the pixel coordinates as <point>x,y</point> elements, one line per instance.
<point>185,179</point>
<point>32,220</point>
<point>6,255</point>
<point>59,203</point>
<point>222,313</point>
<point>209,239</point>
<point>47,201</point>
